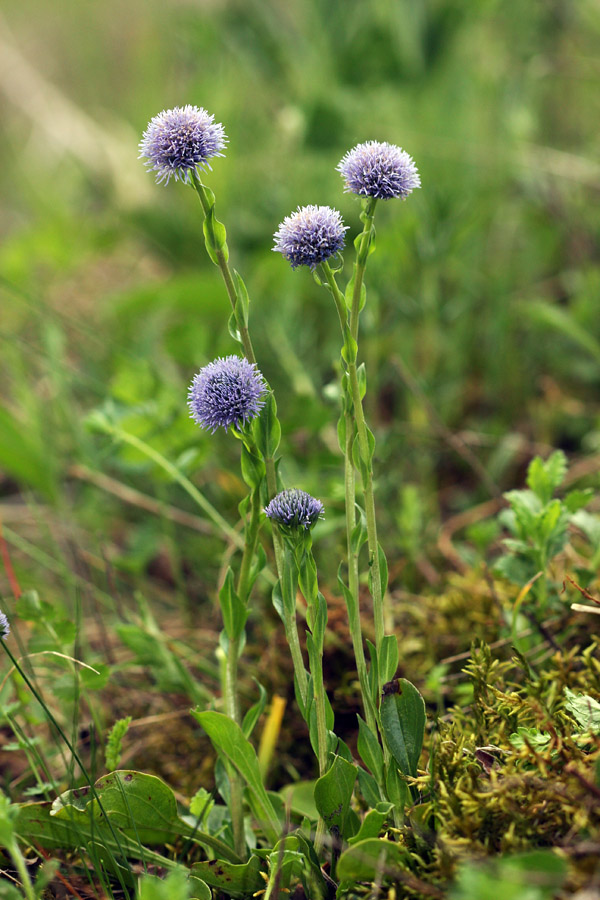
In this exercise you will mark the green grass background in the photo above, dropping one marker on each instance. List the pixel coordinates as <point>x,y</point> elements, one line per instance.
<point>485,282</point>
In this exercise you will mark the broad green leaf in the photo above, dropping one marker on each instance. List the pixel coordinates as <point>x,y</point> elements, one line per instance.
<point>228,738</point>
<point>142,807</point>
<point>74,828</point>
<point>372,823</point>
<point>365,860</point>
<point>584,709</point>
<point>531,737</point>
<point>199,890</point>
<point>403,722</point>
<point>333,793</point>
<point>233,880</point>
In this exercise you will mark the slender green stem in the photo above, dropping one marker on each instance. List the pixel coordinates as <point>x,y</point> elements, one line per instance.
<point>319,689</point>
<point>361,425</point>
<point>350,496</point>
<point>361,264</point>
<point>232,699</point>
<point>319,694</point>
<point>362,256</point>
<point>367,477</point>
<point>225,272</point>
<point>290,623</point>
<point>252,528</point>
<point>21,867</point>
<point>232,708</point>
<point>353,582</point>
<point>290,626</point>
<point>363,439</point>
<point>307,576</point>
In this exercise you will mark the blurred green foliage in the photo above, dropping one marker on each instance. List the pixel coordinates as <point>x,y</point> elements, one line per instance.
<point>484,283</point>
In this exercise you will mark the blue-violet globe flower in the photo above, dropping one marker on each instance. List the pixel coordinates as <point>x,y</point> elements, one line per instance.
<point>228,391</point>
<point>295,509</point>
<point>180,141</point>
<point>4,626</point>
<point>379,170</point>
<point>310,235</point>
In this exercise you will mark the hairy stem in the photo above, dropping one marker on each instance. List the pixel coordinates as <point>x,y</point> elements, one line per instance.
<point>350,495</point>
<point>361,427</point>
<point>291,627</point>
<point>226,273</point>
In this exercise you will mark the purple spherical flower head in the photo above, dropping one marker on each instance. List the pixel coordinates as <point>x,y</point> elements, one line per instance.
<point>180,141</point>
<point>4,626</point>
<point>310,235</point>
<point>379,170</point>
<point>294,509</point>
<point>228,391</point>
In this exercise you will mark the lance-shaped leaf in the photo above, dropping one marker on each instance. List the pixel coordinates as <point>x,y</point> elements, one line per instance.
<point>403,722</point>
<point>233,610</point>
<point>333,793</point>
<point>228,738</point>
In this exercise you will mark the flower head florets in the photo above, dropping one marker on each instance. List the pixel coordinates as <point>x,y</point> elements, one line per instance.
<point>228,391</point>
<point>379,170</point>
<point>295,509</point>
<point>180,141</point>
<point>4,626</point>
<point>310,235</point>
